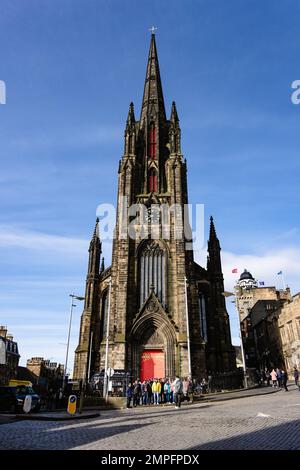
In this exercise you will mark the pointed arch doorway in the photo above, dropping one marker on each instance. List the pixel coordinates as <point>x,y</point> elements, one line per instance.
<point>152,342</point>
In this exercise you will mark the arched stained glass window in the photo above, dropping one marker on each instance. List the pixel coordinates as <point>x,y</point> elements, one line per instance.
<point>152,142</point>
<point>152,181</point>
<point>202,313</point>
<point>153,272</point>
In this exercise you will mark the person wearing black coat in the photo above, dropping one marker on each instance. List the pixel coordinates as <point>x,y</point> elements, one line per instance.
<point>284,379</point>
<point>129,395</point>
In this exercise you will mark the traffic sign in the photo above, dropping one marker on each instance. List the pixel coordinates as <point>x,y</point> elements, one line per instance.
<point>27,404</point>
<point>110,372</point>
<point>72,404</point>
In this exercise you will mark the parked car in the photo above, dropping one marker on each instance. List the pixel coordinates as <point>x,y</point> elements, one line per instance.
<point>12,398</point>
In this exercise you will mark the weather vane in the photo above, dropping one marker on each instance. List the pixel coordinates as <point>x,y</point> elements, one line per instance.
<point>152,29</point>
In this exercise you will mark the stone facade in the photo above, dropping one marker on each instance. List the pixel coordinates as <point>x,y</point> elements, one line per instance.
<point>153,282</point>
<point>262,343</point>
<point>9,357</point>
<point>247,294</point>
<point>289,327</point>
<point>270,325</point>
<point>47,375</point>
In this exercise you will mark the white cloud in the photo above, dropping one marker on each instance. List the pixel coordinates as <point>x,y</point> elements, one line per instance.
<point>12,236</point>
<point>265,267</point>
<point>23,284</point>
<point>66,138</point>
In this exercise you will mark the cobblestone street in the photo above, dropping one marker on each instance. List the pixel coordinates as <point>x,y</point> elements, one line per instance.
<point>259,422</point>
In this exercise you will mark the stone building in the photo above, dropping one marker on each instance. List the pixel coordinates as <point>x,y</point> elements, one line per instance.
<point>9,357</point>
<point>46,374</point>
<point>248,293</point>
<point>270,324</point>
<point>167,314</point>
<point>289,328</point>
<point>262,341</point>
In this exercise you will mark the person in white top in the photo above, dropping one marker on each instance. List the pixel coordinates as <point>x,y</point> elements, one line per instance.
<point>177,388</point>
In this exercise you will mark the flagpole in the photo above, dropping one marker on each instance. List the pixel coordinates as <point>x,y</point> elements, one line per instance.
<point>283,280</point>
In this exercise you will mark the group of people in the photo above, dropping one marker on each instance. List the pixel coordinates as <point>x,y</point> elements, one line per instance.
<point>279,377</point>
<point>158,391</point>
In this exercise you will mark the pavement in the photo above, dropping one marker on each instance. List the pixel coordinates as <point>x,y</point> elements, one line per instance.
<point>235,394</point>
<point>270,421</point>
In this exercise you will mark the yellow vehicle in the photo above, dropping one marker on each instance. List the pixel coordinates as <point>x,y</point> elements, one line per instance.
<point>16,383</point>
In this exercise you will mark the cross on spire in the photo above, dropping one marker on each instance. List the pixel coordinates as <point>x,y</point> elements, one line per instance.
<point>152,29</point>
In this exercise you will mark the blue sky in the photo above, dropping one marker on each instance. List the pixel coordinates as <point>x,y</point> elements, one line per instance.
<point>71,68</point>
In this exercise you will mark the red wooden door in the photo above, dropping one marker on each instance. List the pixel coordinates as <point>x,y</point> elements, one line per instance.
<point>152,364</point>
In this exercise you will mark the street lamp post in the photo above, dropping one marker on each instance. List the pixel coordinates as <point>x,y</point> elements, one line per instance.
<point>229,294</point>
<point>188,329</point>
<point>105,383</point>
<point>73,296</point>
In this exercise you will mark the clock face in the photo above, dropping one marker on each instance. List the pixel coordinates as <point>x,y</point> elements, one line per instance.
<point>153,215</point>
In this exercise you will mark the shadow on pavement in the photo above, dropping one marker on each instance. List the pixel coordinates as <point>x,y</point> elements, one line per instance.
<point>279,437</point>
<point>66,439</point>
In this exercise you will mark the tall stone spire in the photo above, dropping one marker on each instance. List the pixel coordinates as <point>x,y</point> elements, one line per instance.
<point>212,231</point>
<point>214,260</point>
<point>90,314</point>
<point>130,118</point>
<point>95,251</point>
<point>153,100</point>
<point>174,115</point>
<point>174,131</point>
<point>102,265</point>
<point>129,147</point>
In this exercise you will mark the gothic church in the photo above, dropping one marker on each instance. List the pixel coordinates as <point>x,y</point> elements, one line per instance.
<point>163,314</point>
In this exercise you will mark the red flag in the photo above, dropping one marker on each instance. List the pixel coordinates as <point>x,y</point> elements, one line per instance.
<point>234,270</point>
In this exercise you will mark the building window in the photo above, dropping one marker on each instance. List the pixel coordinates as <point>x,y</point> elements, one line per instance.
<point>152,142</point>
<point>298,326</point>
<point>104,314</point>
<point>153,272</point>
<point>290,330</point>
<point>282,333</point>
<point>202,312</point>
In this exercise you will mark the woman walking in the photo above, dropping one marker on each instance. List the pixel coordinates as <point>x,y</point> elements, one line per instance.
<point>274,377</point>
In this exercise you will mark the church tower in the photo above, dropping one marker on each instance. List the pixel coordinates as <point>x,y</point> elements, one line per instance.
<point>163,314</point>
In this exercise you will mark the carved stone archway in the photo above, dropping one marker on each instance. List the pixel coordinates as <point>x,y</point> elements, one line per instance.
<point>153,329</point>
